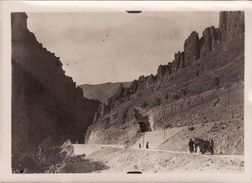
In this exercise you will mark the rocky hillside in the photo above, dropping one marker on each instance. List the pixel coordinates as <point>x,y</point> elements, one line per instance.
<point>102,92</point>
<point>46,104</point>
<point>204,83</point>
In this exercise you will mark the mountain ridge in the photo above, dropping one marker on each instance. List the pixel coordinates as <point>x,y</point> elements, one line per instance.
<point>103,91</point>
<point>200,78</point>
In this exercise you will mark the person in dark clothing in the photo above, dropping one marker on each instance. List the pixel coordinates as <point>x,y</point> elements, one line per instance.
<point>139,145</point>
<point>196,144</point>
<point>191,145</point>
<point>211,146</point>
<point>147,145</point>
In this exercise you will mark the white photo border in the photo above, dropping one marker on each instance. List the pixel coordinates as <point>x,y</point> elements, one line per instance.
<point>116,6</point>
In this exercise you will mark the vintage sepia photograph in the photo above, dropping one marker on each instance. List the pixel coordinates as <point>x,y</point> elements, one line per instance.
<point>131,92</point>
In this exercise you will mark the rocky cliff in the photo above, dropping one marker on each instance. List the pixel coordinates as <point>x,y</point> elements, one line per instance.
<point>45,102</point>
<point>204,83</point>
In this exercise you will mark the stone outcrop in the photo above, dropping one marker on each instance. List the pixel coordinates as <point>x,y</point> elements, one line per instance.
<point>209,41</point>
<point>231,24</point>
<point>162,70</point>
<point>191,48</point>
<point>45,102</point>
<point>133,86</point>
<point>150,81</point>
<point>179,61</point>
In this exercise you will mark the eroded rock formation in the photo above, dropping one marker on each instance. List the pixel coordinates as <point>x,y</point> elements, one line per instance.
<point>209,41</point>
<point>191,48</point>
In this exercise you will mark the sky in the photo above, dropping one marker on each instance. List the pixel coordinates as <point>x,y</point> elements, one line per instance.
<point>97,47</point>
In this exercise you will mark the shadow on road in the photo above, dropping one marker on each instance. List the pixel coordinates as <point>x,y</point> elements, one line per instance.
<point>86,166</point>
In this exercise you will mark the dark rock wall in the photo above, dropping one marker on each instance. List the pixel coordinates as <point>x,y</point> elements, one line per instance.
<point>45,102</point>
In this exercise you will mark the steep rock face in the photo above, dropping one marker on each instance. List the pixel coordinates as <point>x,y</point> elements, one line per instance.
<point>191,48</point>
<point>209,41</point>
<point>195,88</point>
<point>150,81</point>
<point>231,24</point>
<point>179,61</point>
<point>162,69</point>
<point>45,102</point>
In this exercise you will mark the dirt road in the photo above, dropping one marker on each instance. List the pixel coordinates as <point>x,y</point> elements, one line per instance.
<point>121,160</point>
<point>90,148</point>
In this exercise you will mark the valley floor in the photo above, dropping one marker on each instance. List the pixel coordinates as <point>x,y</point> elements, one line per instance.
<point>121,160</point>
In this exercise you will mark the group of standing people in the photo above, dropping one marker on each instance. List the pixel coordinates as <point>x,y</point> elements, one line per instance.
<point>146,146</point>
<point>200,145</point>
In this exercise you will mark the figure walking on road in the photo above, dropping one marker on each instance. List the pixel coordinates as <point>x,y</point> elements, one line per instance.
<point>211,146</point>
<point>196,144</point>
<point>191,146</point>
<point>147,145</point>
